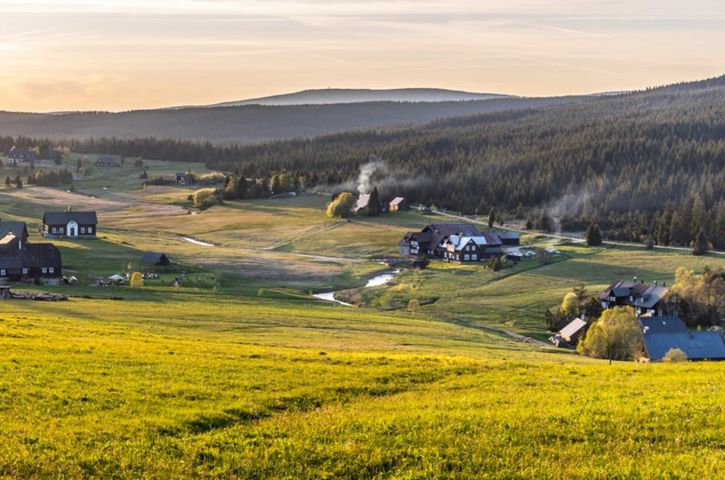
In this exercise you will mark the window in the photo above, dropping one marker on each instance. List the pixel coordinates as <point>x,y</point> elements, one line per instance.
<point>89,229</point>
<point>51,270</point>
<point>466,257</point>
<point>25,271</point>
<point>61,230</point>
<point>83,229</point>
<point>3,272</point>
<point>54,230</point>
<point>474,257</point>
<point>45,270</point>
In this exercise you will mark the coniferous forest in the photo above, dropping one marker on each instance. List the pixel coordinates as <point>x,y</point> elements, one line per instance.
<point>646,166</point>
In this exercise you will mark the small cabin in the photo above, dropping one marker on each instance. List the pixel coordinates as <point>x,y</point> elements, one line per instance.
<point>156,258</point>
<point>398,204</point>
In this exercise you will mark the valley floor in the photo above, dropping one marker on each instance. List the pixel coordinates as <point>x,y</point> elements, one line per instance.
<point>241,373</point>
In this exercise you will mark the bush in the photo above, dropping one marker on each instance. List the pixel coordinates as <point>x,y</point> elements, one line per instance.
<point>674,355</point>
<point>207,197</point>
<point>341,206</point>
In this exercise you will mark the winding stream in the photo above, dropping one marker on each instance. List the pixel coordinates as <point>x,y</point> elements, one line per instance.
<point>376,281</point>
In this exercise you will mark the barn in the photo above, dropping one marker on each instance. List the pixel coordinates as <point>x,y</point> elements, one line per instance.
<point>156,258</point>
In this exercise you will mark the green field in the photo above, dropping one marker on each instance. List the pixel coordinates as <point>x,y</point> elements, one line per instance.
<point>240,373</point>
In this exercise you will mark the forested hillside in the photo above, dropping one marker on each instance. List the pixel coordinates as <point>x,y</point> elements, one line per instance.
<point>252,123</point>
<point>644,165</point>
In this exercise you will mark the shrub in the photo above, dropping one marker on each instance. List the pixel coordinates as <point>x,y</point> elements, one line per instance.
<point>674,355</point>
<point>341,206</point>
<point>207,197</point>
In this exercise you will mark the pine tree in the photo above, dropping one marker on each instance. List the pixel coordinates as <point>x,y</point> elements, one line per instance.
<point>374,203</point>
<point>719,230</point>
<point>700,246</point>
<point>491,218</point>
<point>594,236</point>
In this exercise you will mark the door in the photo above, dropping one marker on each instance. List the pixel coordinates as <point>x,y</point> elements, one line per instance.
<point>72,229</point>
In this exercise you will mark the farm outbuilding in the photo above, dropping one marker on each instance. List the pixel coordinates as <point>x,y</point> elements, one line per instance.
<point>398,204</point>
<point>156,258</point>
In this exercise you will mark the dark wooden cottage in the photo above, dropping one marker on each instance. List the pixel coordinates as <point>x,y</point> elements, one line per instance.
<point>21,260</point>
<point>646,298</point>
<point>509,238</point>
<point>156,258</point>
<point>477,248</point>
<point>451,241</point>
<point>70,224</point>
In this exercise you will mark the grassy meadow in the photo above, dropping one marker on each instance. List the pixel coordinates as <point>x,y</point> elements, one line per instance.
<point>240,373</point>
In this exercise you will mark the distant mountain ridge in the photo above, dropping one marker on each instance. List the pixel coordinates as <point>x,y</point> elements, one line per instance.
<point>328,96</point>
<point>255,123</point>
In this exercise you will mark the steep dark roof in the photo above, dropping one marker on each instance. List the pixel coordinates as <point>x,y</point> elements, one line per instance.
<point>696,345</point>
<point>663,324</point>
<point>645,294</point>
<point>154,257</point>
<point>19,229</point>
<point>62,218</point>
<point>508,235</point>
<point>441,231</point>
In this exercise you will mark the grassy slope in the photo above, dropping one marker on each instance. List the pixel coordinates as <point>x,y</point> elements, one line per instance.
<point>243,376</point>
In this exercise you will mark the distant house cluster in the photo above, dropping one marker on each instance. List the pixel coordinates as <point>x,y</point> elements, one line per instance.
<point>661,327</point>
<point>454,242</point>
<point>107,161</point>
<point>19,155</point>
<point>22,260</point>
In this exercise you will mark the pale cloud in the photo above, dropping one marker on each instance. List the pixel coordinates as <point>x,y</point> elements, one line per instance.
<point>109,54</point>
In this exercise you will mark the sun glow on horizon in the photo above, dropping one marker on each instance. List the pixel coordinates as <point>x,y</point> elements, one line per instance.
<point>119,55</point>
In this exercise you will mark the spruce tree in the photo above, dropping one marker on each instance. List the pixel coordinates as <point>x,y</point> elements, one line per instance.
<point>491,218</point>
<point>374,203</point>
<point>700,246</point>
<point>594,236</point>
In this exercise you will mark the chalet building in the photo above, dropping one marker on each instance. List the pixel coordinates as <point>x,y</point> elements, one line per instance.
<point>70,224</point>
<point>107,161</point>
<point>21,260</point>
<point>664,333</point>
<point>156,258</point>
<point>452,242</point>
<point>477,248</point>
<point>648,299</point>
<point>509,238</point>
<point>398,204</point>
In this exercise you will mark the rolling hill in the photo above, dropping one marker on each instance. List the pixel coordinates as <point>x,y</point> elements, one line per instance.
<point>362,95</point>
<point>254,123</point>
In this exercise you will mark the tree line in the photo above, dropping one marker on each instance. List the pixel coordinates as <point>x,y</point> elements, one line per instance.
<point>647,166</point>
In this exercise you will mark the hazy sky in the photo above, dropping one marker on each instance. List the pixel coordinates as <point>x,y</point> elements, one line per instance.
<point>124,54</point>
